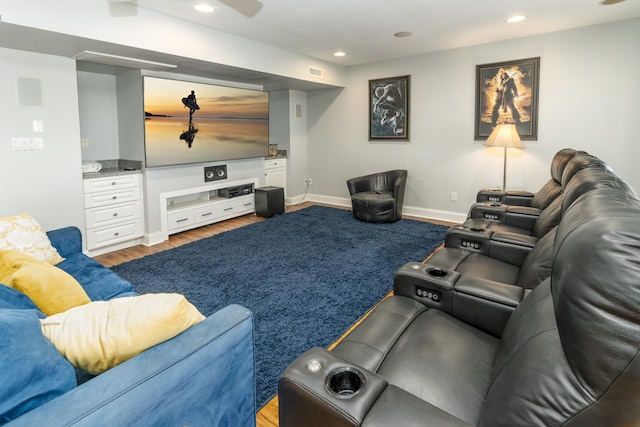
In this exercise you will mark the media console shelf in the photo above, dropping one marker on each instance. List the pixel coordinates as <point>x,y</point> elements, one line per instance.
<point>189,208</point>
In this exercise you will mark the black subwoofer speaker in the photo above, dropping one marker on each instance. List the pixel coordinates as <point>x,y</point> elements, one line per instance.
<point>269,201</point>
<point>215,173</point>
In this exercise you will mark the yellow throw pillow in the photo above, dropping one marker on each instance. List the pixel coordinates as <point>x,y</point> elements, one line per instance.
<point>100,335</point>
<point>22,233</point>
<point>51,289</point>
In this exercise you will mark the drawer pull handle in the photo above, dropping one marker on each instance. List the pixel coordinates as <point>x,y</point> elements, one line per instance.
<point>115,214</point>
<point>114,197</point>
<point>228,209</point>
<point>116,234</point>
<point>248,204</point>
<point>113,183</point>
<point>182,220</point>
<point>207,214</point>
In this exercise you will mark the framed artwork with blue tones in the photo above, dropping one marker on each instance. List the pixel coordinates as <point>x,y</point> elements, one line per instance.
<point>389,108</point>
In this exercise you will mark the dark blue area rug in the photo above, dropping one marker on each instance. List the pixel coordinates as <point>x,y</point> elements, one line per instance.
<point>307,276</point>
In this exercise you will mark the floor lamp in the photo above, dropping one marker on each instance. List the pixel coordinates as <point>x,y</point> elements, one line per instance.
<point>504,135</point>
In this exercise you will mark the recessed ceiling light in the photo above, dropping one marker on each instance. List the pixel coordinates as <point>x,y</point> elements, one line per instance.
<point>516,18</point>
<point>402,34</point>
<point>204,8</point>
<point>339,53</point>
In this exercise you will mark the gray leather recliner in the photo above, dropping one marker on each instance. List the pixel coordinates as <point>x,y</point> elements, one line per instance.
<point>569,354</point>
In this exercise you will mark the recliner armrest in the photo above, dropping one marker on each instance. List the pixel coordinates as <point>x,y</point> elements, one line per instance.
<point>511,248</point>
<point>472,235</point>
<point>524,217</point>
<point>519,198</point>
<point>304,398</point>
<point>485,304</point>
<point>511,197</point>
<point>308,397</point>
<point>488,211</point>
<point>427,284</point>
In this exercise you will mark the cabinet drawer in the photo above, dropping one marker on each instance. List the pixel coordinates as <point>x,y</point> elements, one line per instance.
<point>117,233</point>
<point>227,208</point>
<point>180,219</point>
<point>275,163</point>
<point>247,205</point>
<point>111,183</point>
<point>111,197</point>
<point>99,217</point>
<point>205,213</point>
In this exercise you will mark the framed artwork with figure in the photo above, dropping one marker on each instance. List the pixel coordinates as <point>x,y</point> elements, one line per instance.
<point>507,92</point>
<point>389,108</point>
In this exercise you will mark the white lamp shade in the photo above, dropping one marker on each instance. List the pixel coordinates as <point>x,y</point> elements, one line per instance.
<point>504,135</point>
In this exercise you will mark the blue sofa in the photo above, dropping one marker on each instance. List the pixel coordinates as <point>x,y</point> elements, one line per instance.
<point>202,377</point>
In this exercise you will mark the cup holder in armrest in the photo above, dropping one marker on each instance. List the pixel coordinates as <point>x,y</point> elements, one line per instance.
<point>437,272</point>
<point>345,382</point>
<point>478,229</point>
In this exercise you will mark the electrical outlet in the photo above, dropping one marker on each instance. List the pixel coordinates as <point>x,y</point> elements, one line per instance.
<point>454,196</point>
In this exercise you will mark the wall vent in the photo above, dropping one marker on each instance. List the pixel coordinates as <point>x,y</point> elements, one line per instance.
<point>316,72</point>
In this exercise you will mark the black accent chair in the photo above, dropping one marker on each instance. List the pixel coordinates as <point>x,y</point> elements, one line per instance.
<point>569,354</point>
<point>378,197</point>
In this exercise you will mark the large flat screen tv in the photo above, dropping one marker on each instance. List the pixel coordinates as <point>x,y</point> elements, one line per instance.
<point>187,122</point>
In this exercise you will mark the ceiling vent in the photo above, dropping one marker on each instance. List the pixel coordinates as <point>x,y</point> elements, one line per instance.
<point>316,72</point>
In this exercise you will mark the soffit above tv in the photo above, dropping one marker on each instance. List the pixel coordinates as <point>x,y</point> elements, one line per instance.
<point>52,43</point>
<point>121,61</point>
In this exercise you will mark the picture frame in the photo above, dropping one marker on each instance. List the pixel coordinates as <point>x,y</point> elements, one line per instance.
<point>389,108</point>
<point>507,92</point>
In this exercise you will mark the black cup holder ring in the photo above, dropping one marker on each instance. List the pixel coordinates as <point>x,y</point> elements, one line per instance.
<point>345,382</point>
<point>477,229</point>
<point>437,272</point>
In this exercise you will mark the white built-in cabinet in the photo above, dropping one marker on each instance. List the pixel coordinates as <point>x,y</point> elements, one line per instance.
<point>189,208</point>
<point>275,173</point>
<point>113,211</point>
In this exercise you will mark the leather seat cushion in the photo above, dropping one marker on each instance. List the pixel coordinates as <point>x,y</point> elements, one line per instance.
<point>474,265</point>
<point>443,361</point>
<point>373,205</point>
<point>425,352</point>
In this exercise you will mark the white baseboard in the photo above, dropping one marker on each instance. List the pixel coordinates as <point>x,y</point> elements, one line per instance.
<point>153,238</point>
<point>407,210</point>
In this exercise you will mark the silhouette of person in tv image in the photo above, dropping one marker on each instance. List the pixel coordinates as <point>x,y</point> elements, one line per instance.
<point>506,96</point>
<point>190,102</point>
<point>189,135</point>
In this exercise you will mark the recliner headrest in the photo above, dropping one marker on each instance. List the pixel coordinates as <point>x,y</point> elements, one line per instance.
<point>591,179</point>
<point>559,162</point>
<point>579,162</point>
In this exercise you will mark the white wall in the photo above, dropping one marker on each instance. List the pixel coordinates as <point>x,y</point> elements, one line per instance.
<point>47,183</point>
<point>589,99</point>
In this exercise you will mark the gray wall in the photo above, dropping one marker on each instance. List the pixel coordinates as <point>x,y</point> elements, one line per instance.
<point>589,99</point>
<point>47,183</point>
<point>589,91</point>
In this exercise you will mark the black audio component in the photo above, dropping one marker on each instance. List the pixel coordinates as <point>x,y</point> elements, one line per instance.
<point>238,190</point>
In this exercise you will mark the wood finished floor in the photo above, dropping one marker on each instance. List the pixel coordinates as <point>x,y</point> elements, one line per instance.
<point>268,414</point>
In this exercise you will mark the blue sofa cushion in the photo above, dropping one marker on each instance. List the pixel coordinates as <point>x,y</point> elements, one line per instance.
<point>10,298</point>
<point>34,371</point>
<point>99,283</point>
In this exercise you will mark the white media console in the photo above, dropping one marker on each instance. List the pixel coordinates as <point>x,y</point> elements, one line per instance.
<point>182,210</point>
